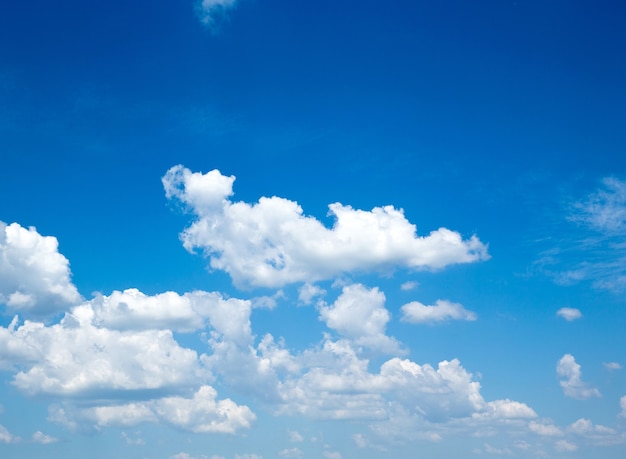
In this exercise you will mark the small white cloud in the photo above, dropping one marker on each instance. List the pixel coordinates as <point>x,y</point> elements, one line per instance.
<point>622,405</point>
<point>573,386</point>
<point>308,291</point>
<point>248,456</point>
<point>612,366</point>
<point>34,276</point>
<point>332,455</point>
<point>211,11</point>
<point>409,285</point>
<point>360,440</point>
<point>360,314</point>
<point>39,437</point>
<point>569,314</point>
<point>291,453</point>
<point>295,436</point>
<point>565,446</point>
<point>272,243</point>
<point>132,441</point>
<point>6,436</point>
<point>548,430</point>
<point>497,451</point>
<point>416,312</point>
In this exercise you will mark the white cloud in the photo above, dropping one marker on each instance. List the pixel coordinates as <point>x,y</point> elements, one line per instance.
<point>332,455</point>
<point>409,285</point>
<point>573,386</point>
<point>596,252</point>
<point>505,409</point>
<point>295,436</point>
<point>291,453</point>
<point>336,384</point>
<point>360,440</point>
<point>497,451</point>
<point>6,436</point>
<point>307,292</point>
<point>39,437</point>
<point>133,310</point>
<point>34,276</point>
<point>248,456</point>
<point>271,243</point>
<point>622,405</point>
<point>605,209</point>
<point>544,429</point>
<point>565,446</point>
<point>75,358</point>
<point>612,366</point>
<point>360,315</point>
<point>210,11</point>
<point>569,314</point>
<point>202,413</point>
<point>416,312</point>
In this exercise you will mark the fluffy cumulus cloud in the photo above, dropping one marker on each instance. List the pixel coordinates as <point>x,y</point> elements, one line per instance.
<point>272,243</point>
<point>133,310</point>
<point>360,315</point>
<point>200,413</point>
<point>571,379</point>
<point>34,276</point>
<point>569,314</point>
<point>441,311</point>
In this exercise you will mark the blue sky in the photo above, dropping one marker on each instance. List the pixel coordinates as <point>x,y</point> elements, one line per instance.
<point>243,229</point>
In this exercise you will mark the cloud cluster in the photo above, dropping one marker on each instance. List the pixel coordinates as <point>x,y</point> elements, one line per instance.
<point>34,276</point>
<point>571,379</point>
<point>272,243</point>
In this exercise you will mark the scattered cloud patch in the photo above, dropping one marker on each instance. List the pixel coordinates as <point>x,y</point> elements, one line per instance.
<point>569,314</point>
<point>291,453</point>
<point>39,437</point>
<point>272,243</point>
<point>35,279</point>
<point>409,285</point>
<point>6,436</point>
<point>573,386</point>
<point>612,366</point>
<point>544,429</point>
<point>441,311</point>
<point>565,446</point>
<point>210,12</point>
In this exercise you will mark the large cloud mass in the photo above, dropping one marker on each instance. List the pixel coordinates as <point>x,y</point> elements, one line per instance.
<point>34,276</point>
<point>272,243</point>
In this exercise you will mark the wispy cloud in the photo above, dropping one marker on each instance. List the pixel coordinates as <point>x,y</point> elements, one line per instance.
<point>569,314</point>
<point>211,12</point>
<point>594,249</point>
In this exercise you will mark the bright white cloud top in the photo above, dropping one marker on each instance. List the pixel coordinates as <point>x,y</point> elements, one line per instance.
<point>272,243</point>
<point>34,276</point>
